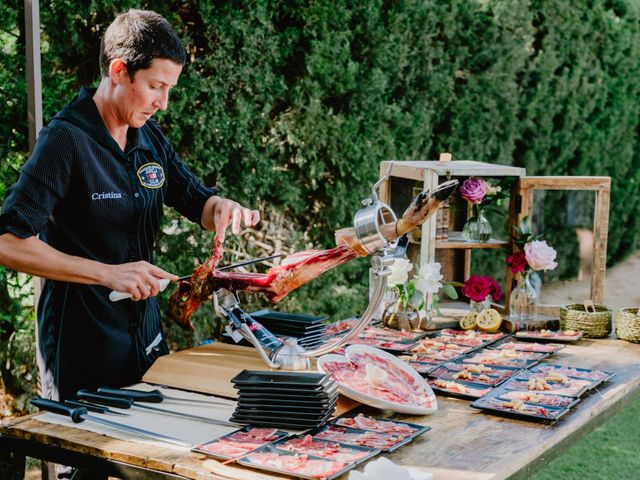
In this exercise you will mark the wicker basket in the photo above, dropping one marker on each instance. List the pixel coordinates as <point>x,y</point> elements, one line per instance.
<point>628,324</point>
<point>592,324</point>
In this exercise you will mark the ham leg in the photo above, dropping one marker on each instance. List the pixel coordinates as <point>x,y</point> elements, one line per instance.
<point>296,269</point>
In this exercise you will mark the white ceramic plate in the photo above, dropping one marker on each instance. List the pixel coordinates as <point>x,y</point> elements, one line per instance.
<point>430,406</point>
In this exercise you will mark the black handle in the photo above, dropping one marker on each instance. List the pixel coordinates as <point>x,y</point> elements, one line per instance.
<point>153,396</point>
<point>76,414</point>
<point>92,407</point>
<point>118,402</point>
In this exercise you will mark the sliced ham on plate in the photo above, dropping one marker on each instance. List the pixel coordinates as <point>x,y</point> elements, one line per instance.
<point>377,378</point>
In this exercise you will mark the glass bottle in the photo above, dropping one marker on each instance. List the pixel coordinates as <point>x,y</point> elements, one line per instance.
<point>522,305</point>
<point>479,306</point>
<point>401,316</point>
<point>477,228</point>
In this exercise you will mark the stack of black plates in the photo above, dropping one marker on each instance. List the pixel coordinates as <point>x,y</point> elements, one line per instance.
<point>310,331</point>
<point>290,400</point>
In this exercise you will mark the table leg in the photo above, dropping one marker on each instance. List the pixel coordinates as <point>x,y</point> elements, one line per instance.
<point>11,466</point>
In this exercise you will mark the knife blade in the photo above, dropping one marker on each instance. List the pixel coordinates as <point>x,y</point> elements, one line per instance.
<point>128,402</point>
<point>116,296</point>
<point>152,396</point>
<point>80,414</point>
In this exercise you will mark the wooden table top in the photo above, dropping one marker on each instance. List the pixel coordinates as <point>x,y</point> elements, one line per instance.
<point>463,443</point>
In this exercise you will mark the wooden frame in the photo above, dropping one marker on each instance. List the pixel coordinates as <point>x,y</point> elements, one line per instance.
<point>602,188</point>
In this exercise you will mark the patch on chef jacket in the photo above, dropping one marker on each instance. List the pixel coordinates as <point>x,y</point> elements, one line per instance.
<point>151,175</point>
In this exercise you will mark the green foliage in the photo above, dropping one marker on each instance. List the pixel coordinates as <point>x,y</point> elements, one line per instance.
<point>294,104</point>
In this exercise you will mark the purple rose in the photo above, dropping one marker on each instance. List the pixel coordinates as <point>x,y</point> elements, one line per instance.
<point>473,190</point>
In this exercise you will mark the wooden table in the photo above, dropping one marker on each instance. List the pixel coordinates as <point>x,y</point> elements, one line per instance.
<point>463,443</point>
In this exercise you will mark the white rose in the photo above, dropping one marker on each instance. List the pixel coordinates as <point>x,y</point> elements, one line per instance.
<point>540,256</point>
<point>428,278</point>
<point>399,272</point>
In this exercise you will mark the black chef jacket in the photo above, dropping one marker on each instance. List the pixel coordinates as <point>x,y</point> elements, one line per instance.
<point>86,197</point>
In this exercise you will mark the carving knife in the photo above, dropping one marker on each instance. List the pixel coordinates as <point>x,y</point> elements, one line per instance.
<point>128,402</point>
<point>116,296</point>
<point>93,407</point>
<point>80,414</point>
<point>152,396</point>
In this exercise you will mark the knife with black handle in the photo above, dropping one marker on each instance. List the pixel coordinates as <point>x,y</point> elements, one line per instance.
<point>128,402</point>
<point>80,414</point>
<point>93,407</point>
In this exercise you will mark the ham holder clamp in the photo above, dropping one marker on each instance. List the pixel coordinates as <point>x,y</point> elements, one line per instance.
<point>376,231</point>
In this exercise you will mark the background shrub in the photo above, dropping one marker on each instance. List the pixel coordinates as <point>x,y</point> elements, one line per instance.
<point>292,105</point>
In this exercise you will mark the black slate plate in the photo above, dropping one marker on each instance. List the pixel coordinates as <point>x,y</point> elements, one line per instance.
<point>247,461</point>
<point>270,315</point>
<point>463,395</point>
<point>417,429</point>
<point>578,373</point>
<point>202,448</point>
<point>363,453</point>
<point>491,404</point>
<point>271,379</point>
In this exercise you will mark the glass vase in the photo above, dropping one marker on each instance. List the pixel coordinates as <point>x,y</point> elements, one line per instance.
<point>479,306</point>
<point>401,316</point>
<point>477,228</point>
<point>523,302</point>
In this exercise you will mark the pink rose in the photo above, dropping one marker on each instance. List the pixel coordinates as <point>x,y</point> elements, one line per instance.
<point>473,190</point>
<point>540,256</point>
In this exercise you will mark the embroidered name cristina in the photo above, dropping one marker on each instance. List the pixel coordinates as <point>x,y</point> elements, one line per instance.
<point>105,195</point>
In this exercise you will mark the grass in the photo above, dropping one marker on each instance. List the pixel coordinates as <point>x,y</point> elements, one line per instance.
<point>610,452</point>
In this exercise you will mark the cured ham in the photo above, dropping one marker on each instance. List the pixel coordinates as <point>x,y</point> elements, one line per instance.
<point>389,388</point>
<point>321,448</point>
<point>379,379</point>
<point>296,464</point>
<point>364,422</point>
<point>241,442</point>
<point>297,269</point>
<point>362,438</point>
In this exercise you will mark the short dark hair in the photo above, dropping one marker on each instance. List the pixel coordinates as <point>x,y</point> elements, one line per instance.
<point>137,37</point>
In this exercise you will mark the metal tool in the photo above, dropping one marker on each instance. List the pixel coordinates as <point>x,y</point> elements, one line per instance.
<point>81,414</point>
<point>93,407</point>
<point>116,296</point>
<point>151,396</point>
<point>128,402</point>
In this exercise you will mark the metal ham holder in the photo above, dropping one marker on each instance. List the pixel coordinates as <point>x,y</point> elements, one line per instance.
<point>287,354</point>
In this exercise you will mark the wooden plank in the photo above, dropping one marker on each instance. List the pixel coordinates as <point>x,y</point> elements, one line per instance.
<point>210,368</point>
<point>455,241</point>
<point>417,169</point>
<point>566,183</point>
<point>601,231</point>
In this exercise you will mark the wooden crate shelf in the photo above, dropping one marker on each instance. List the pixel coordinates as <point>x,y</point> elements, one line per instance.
<point>410,176</point>
<point>455,241</point>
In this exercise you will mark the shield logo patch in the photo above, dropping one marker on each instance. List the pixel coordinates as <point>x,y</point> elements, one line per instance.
<point>151,175</point>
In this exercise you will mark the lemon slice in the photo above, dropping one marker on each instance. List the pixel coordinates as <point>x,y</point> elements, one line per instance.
<point>468,322</point>
<point>489,320</point>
